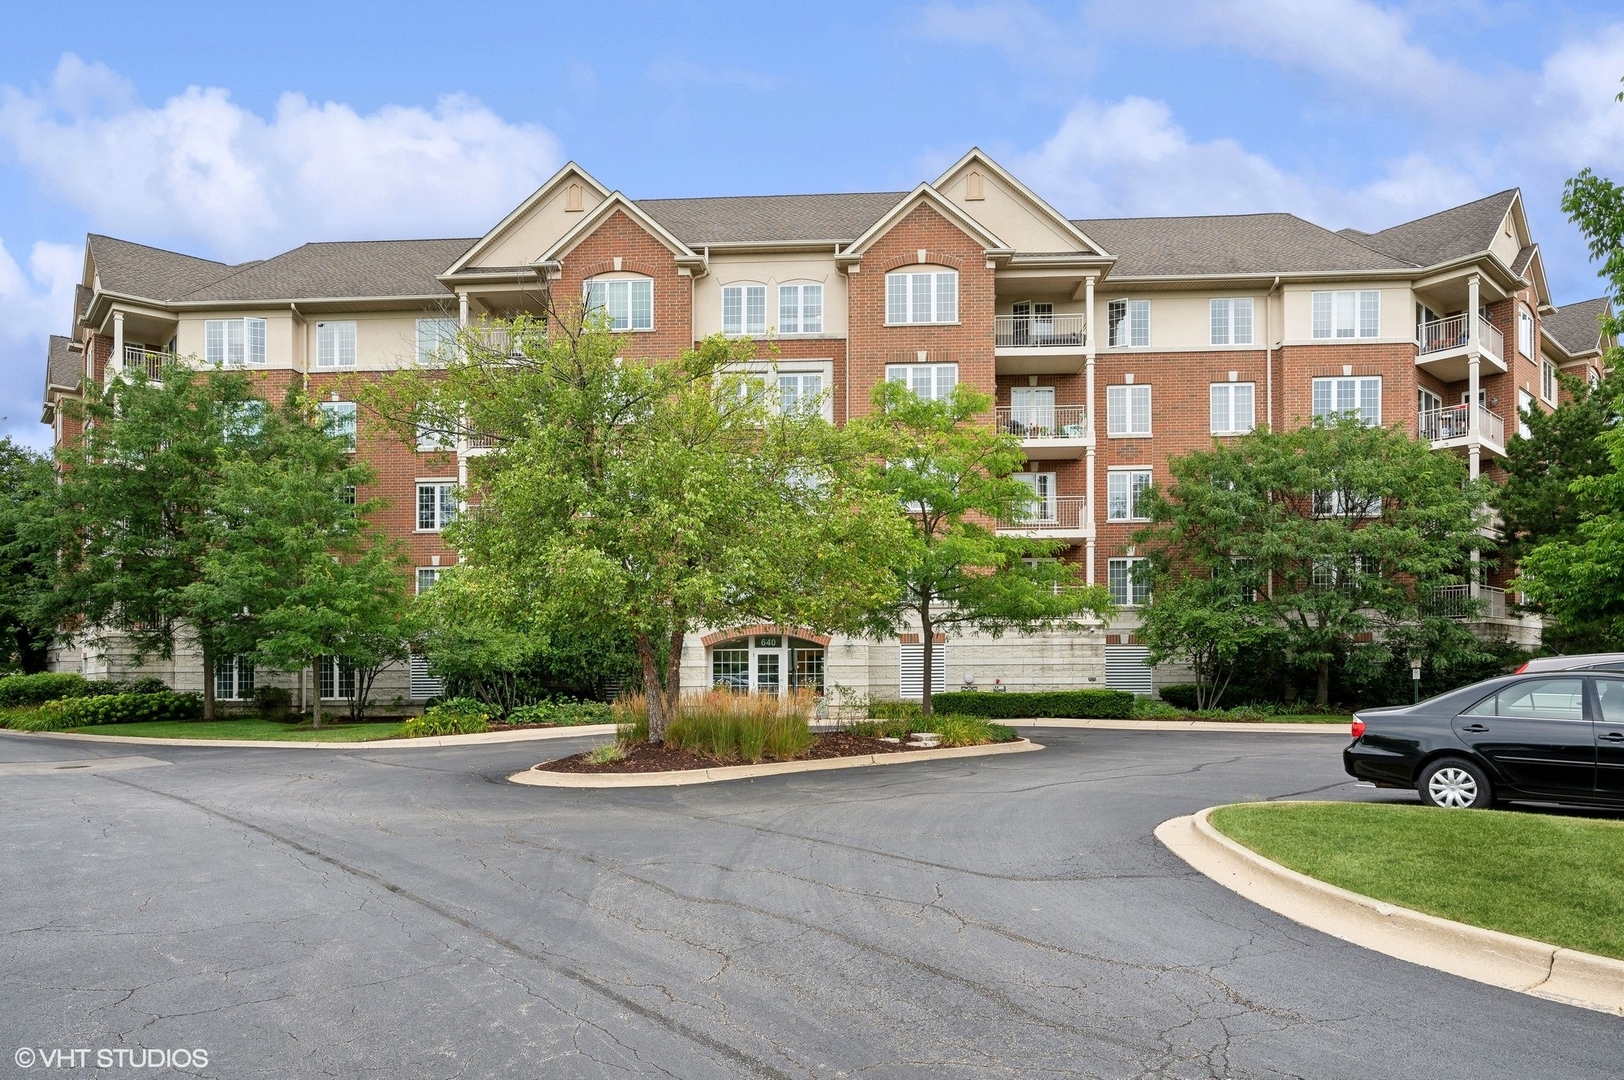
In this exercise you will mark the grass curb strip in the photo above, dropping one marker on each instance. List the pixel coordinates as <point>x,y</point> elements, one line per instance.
<point>1485,956</point>
<point>539,778</point>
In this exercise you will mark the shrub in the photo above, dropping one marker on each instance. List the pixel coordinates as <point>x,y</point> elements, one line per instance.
<point>1010,705</point>
<point>46,686</point>
<point>273,701</point>
<point>565,712</point>
<point>725,725</point>
<point>1179,695</point>
<point>458,716</point>
<point>883,729</point>
<point>895,710</point>
<point>126,708</point>
<point>609,752</point>
<point>1145,708</point>
<point>971,731</point>
<point>150,684</point>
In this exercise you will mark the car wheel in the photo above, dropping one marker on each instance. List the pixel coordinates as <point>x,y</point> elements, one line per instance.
<point>1455,784</point>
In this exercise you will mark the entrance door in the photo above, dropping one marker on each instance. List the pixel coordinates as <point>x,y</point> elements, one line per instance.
<point>1537,735</point>
<point>1021,328</point>
<point>1043,508</point>
<point>1031,410</point>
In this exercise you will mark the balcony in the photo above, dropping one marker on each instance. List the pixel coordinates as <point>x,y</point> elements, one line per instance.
<point>1450,427</point>
<point>478,445</point>
<point>1047,432</point>
<point>1442,347</point>
<point>1039,344</point>
<point>1062,517</point>
<point>1457,602</point>
<point>150,361</point>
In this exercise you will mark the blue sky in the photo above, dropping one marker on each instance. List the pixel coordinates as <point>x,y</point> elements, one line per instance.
<point>235,133</point>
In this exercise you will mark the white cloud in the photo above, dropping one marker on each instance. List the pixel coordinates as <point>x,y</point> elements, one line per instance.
<point>33,304</point>
<point>201,170</point>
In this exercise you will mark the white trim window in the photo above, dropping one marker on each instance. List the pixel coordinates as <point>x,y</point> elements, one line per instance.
<point>1127,409</point>
<point>337,678</point>
<point>436,341</point>
<point>1525,332</point>
<point>800,309</point>
<point>1125,492</point>
<point>426,577</point>
<point>1547,381</point>
<point>1525,405</point>
<point>1231,320</point>
<point>1129,581</point>
<point>627,303</point>
<point>234,678</point>
<point>744,310</point>
<point>929,382</point>
<point>1233,407</point>
<point>432,438</point>
<point>1359,395</point>
<point>338,420</point>
<point>1127,323</point>
<point>1043,507</point>
<point>930,296</point>
<point>436,504</point>
<point>234,341</point>
<point>1339,503</point>
<point>335,344</point>
<point>800,391</point>
<point>1347,313</point>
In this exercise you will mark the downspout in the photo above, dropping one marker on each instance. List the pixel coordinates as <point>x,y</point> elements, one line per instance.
<point>304,352</point>
<point>845,376</point>
<point>1268,344</point>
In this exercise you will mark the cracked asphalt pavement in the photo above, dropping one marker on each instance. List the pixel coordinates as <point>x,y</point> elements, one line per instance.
<point>408,913</point>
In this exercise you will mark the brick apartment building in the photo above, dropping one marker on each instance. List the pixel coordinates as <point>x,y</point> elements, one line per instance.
<point>1109,345</point>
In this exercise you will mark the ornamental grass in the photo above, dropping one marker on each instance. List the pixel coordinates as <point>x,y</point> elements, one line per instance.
<point>727,726</point>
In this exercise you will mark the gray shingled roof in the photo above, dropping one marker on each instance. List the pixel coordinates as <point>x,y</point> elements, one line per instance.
<point>64,365</point>
<point>149,272</point>
<point>738,219</point>
<point>1577,327</point>
<point>345,269</point>
<point>1446,235</point>
<point>1228,244</point>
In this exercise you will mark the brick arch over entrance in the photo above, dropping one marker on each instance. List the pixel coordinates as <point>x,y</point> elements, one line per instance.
<point>763,628</point>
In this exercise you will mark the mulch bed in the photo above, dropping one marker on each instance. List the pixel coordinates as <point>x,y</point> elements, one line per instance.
<point>647,758</point>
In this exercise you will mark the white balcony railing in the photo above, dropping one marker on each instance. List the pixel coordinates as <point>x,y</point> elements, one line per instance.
<point>1062,513</point>
<point>1452,422</point>
<point>1039,331</point>
<point>1456,602</point>
<point>1452,333</point>
<point>1034,422</point>
<point>150,361</point>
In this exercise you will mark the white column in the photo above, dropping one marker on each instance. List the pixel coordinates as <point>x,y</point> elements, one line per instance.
<point>115,362</point>
<point>1474,443</point>
<point>1088,380</point>
<point>462,309</point>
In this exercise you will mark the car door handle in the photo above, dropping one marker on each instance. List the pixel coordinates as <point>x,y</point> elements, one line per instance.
<point>1612,736</point>
<point>1474,728</point>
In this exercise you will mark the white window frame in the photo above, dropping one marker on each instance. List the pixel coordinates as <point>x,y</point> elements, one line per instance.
<point>1525,331</point>
<point>935,380</point>
<point>1334,504</point>
<point>436,340</point>
<point>335,344</point>
<point>1127,411</point>
<point>1044,506</point>
<point>627,301</point>
<point>1129,589</point>
<point>1335,388</point>
<point>1547,382</point>
<point>801,391</point>
<point>921,297</point>
<point>234,678</point>
<point>426,577</point>
<point>338,419</point>
<point>1346,314</point>
<point>744,309</point>
<point>1124,493</point>
<point>800,307</point>
<point>1525,405</point>
<point>1127,324</point>
<point>442,510</point>
<point>234,342</point>
<point>1236,420</point>
<point>333,676</point>
<point>434,440</point>
<point>1229,320</point>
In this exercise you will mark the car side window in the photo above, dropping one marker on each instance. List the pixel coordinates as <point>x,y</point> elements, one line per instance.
<point>1484,707</point>
<point>1610,695</point>
<point>1544,699</point>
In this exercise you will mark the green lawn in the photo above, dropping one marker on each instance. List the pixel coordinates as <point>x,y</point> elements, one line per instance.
<point>248,728</point>
<point>1543,876</point>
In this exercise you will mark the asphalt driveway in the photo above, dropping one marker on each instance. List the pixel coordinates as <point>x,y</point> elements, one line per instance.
<point>410,914</point>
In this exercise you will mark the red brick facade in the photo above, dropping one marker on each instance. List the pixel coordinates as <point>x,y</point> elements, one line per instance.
<point>641,254</point>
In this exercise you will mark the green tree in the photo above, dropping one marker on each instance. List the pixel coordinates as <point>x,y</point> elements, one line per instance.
<point>942,463</point>
<point>1345,531</point>
<point>29,540</point>
<point>652,497</point>
<point>1207,618</point>
<point>139,503</point>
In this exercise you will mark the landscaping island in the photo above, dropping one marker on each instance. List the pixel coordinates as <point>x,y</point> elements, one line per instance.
<point>1551,878</point>
<point>665,757</point>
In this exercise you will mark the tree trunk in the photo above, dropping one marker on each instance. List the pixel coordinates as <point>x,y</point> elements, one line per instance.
<point>1322,688</point>
<point>653,693</point>
<point>928,637</point>
<point>315,679</point>
<point>208,677</point>
<point>673,676</point>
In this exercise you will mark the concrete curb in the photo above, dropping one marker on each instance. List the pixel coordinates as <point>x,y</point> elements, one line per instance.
<point>1485,956</point>
<point>537,777</point>
<point>1339,728</point>
<point>482,738</point>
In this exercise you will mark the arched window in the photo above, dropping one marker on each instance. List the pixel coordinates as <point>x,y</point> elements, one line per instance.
<point>1525,332</point>
<point>921,296</point>
<point>626,303</point>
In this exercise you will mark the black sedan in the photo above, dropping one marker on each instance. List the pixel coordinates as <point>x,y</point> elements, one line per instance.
<point>1546,737</point>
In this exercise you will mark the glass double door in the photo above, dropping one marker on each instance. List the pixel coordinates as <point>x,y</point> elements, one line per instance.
<point>766,664</point>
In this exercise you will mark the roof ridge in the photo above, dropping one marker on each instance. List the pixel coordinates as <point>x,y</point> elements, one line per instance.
<point>1449,210</point>
<point>154,247</point>
<point>776,195</point>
